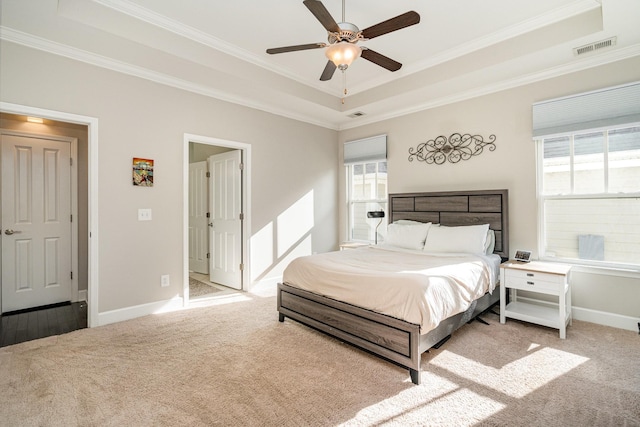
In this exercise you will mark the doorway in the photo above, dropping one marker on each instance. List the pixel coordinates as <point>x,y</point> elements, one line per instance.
<point>45,235</point>
<point>216,215</point>
<point>84,245</point>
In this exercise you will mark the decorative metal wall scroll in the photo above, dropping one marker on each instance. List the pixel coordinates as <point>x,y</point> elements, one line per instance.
<point>457,147</point>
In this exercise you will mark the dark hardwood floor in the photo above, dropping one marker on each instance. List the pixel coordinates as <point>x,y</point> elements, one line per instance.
<point>27,325</point>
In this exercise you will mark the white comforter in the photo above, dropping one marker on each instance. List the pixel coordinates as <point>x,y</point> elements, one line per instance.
<point>419,288</point>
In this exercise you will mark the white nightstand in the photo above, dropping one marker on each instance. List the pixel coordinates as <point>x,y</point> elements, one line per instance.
<point>540,277</point>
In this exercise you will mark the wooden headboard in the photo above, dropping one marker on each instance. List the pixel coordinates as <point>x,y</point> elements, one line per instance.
<point>455,208</point>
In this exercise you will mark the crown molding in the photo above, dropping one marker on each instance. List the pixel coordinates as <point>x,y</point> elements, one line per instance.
<point>152,18</point>
<point>35,42</point>
<point>579,65</point>
<point>557,15</point>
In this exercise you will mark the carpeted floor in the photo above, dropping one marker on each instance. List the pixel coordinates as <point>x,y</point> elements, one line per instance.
<point>198,288</point>
<point>235,364</point>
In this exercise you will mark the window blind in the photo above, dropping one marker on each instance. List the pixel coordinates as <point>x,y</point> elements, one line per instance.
<point>365,150</point>
<point>608,107</point>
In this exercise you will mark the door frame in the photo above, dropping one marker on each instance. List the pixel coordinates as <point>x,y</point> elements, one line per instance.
<point>92,189</point>
<point>73,142</point>
<point>246,206</point>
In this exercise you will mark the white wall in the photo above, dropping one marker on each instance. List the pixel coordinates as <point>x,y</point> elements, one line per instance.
<point>291,161</point>
<point>512,165</point>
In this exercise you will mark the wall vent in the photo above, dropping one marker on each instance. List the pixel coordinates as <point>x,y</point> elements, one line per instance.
<point>594,46</point>
<point>356,114</point>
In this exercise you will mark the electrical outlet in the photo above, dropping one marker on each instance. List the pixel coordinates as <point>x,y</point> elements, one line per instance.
<point>144,214</point>
<point>164,280</point>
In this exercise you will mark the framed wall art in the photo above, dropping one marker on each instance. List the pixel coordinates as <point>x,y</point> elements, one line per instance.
<point>142,172</point>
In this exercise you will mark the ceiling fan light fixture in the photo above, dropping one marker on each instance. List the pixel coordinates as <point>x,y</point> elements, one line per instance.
<point>343,54</point>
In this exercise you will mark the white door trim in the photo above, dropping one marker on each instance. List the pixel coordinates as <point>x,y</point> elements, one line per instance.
<point>74,197</point>
<point>246,203</point>
<point>92,142</point>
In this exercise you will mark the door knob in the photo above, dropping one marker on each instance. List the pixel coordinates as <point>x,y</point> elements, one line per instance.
<point>10,232</point>
<point>210,224</point>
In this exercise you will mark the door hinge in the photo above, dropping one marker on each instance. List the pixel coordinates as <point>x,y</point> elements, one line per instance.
<point>70,161</point>
<point>241,216</point>
<point>208,214</point>
<point>241,166</point>
<point>208,174</point>
<point>72,275</point>
<point>71,217</point>
<point>241,267</point>
<point>208,255</point>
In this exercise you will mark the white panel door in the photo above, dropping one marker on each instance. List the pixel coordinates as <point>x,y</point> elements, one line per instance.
<point>226,209</point>
<point>198,221</point>
<point>36,222</point>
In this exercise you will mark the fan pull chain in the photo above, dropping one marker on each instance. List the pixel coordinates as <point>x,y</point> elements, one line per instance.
<point>344,85</point>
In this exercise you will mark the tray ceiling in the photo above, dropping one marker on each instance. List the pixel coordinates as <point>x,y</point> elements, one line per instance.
<point>460,49</point>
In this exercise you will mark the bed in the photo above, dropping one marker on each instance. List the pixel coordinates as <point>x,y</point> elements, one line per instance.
<point>398,336</point>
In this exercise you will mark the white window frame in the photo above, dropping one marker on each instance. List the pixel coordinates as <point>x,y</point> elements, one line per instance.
<point>542,198</point>
<point>381,202</point>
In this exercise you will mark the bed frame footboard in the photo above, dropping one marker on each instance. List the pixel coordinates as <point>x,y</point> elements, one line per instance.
<point>385,336</point>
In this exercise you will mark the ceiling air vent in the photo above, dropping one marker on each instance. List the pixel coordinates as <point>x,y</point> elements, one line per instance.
<point>356,114</point>
<point>594,46</point>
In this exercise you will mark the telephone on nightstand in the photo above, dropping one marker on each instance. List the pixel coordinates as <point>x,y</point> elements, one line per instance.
<point>523,256</point>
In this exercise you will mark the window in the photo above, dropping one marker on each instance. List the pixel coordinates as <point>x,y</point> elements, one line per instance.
<point>367,191</point>
<point>365,161</point>
<point>589,195</point>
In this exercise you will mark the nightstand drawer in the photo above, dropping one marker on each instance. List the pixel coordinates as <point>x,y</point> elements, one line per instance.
<point>512,274</point>
<point>534,284</point>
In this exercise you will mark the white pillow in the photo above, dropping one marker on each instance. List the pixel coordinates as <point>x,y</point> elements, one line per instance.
<point>408,236</point>
<point>464,239</point>
<point>490,243</point>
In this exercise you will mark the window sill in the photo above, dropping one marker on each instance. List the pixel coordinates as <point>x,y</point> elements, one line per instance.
<point>630,272</point>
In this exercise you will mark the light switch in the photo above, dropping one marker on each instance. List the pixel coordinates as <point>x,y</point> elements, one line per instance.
<point>144,214</point>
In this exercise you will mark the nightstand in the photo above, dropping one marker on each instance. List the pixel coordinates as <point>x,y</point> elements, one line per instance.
<point>542,278</point>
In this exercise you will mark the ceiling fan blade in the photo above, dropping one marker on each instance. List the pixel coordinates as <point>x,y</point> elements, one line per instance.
<point>329,69</point>
<point>381,60</point>
<point>295,48</point>
<point>322,14</point>
<point>393,24</point>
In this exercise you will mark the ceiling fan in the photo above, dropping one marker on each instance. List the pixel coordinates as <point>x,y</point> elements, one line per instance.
<point>343,37</point>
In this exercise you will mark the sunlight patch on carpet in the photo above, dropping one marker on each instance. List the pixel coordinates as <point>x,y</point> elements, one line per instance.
<point>442,402</point>
<point>518,378</point>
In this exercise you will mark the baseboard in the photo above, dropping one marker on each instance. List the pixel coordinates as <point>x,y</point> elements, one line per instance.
<point>132,312</point>
<point>607,319</point>
<point>595,316</point>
